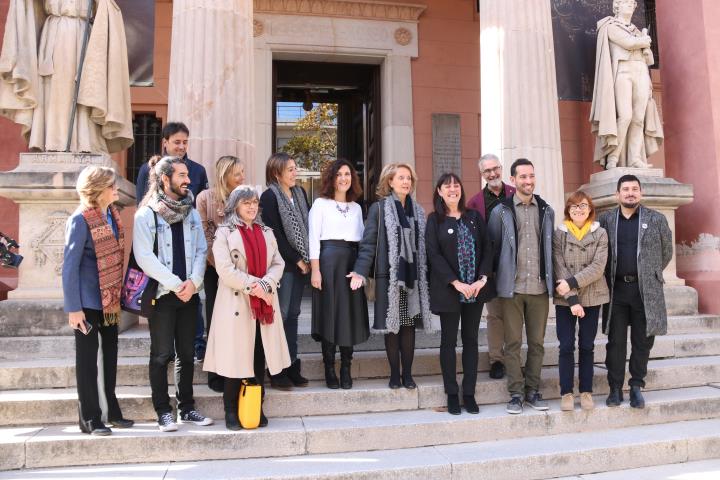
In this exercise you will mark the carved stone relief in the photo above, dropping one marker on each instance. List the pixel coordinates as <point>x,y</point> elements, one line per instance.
<point>403,36</point>
<point>50,243</point>
<point>374,10</point>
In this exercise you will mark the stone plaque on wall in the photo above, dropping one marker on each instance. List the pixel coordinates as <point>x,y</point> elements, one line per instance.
<point>446,147</point>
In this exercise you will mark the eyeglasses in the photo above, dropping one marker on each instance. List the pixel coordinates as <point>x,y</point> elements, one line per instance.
<point>582,207</point>
<point>495,170</point>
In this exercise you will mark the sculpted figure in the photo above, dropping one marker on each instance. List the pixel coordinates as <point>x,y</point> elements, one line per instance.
<point>624,116</point>
<point>38,65</point>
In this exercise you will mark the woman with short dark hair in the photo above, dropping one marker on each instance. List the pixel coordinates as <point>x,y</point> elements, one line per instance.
<point>461,262</point>
<point>339,315</point>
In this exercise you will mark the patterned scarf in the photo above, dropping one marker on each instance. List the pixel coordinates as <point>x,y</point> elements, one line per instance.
<point>256,255</point>
<point>578,233</point>
<point>110,253</point>
<point>294,217</point>
<point>172,211</point>
<point>402,220</point>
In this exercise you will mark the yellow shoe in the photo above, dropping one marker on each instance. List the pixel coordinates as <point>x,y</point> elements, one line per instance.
<point>567,402</point>
<point>586,401</point>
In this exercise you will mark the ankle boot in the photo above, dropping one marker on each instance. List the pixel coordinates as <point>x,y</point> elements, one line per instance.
<point>293,373</point>
<point>345,364</point>
<point>230,403</point>
<point>328,353</point>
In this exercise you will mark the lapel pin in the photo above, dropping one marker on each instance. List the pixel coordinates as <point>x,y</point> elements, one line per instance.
<point>451,231</point>
<point>644,225</point>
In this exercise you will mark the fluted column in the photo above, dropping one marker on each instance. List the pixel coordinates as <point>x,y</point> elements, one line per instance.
<point>518,90</point>
<point>211,80</point>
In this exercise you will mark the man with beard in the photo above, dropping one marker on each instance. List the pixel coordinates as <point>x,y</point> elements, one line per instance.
<point>495,190</point>
<point>521,230</point>
<point>167,221</point>
<point>640,249</point>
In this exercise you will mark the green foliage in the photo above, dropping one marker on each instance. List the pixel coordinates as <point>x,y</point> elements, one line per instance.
<point>314,143</point>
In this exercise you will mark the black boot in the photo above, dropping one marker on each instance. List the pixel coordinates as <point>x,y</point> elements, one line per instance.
<point>453,404</point>
<point>328,353</point>
<point>231,395</point>
<point>615,398</point>
<point>636,397</point>
<point>345,364</point>
<point>293,373</point>
<point>280,381</point>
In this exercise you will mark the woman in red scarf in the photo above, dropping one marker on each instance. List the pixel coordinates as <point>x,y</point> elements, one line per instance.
<point>92,278</point>
<point>247,328</point>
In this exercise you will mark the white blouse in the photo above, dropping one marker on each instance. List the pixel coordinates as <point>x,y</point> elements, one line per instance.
<point>327,222</point>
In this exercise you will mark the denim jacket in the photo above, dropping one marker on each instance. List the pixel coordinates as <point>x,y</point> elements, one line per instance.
<point>160,267</point>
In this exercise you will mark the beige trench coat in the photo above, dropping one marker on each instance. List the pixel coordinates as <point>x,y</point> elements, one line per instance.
<point>231,342</point>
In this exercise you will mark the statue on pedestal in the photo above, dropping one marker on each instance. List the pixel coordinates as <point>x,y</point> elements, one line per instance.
<point>39,62</point>
<point>624,117</point>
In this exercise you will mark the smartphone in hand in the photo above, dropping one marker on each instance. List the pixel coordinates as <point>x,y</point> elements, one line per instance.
<point>87,325</point>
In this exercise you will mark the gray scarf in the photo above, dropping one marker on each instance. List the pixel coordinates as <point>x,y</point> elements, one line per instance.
<point>294,216</point>
<point>172,211</point>
<point>407,250</point>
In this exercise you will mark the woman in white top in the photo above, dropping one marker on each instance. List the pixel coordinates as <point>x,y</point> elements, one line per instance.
<point>339,315</point>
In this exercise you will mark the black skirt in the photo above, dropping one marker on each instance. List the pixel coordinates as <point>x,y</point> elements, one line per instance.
<point>339,314</point>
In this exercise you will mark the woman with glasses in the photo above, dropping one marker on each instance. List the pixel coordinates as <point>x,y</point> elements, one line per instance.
<point>580,249</point>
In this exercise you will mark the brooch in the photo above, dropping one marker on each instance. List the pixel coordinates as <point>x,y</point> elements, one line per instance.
<point>644,225</point>
<point>451,231</point>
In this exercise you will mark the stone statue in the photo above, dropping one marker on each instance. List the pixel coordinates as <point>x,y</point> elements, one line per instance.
<point>38,66</point>
<point>624,117</point>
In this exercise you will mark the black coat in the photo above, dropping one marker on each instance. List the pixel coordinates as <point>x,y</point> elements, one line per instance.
<point>441,241</point>
<point>271,218</point>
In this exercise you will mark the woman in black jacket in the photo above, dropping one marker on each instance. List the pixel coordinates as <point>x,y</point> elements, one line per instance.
<point>460,259</point>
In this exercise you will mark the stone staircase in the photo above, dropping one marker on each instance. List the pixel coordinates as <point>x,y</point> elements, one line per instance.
<point>369,431</point>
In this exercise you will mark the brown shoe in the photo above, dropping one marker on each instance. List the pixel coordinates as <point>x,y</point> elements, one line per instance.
<point>586,401</point>
<point>567,402</point>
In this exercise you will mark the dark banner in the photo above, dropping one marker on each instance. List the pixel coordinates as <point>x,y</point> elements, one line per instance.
<point>139,17</point>
<point>575,34</point>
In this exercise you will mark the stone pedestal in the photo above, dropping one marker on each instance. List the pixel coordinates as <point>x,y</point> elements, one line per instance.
<point>519,102</point>
<point>664,195</point>
<point>43,185</point>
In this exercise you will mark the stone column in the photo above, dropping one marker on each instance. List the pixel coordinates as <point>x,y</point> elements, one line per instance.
<point>518,90</point>
<point>688,35</point>
<point>211,80</point>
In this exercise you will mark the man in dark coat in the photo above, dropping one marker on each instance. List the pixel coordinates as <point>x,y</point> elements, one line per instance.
<point>640,249</point>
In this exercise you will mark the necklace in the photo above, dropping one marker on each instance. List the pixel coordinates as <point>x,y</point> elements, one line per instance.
<point>344,211</point>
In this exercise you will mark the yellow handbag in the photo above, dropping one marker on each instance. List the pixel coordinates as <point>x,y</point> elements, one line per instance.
<point>249,405</point>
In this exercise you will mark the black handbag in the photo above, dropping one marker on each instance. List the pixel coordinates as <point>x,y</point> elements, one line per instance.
<point>139,290</point>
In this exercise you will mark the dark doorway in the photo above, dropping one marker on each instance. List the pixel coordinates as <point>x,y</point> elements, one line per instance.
<point>354,92</point>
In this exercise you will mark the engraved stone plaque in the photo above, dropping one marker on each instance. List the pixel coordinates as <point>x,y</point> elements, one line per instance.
<point>446,144</point>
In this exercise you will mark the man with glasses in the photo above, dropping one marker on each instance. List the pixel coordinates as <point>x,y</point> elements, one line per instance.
<point>640,243</point>
<point>495,191</point>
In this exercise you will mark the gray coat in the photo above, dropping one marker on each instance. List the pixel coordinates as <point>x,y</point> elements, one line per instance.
<point>655,251</point>
<point>502,229</point>
<point>378,257</point>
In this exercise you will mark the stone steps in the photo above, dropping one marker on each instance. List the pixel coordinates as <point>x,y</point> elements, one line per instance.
<point>53,406</point>
<point>135,342</point>
<point>676,426</point>
<point>60,372</point>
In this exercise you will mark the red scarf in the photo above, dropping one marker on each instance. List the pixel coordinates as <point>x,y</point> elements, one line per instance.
<point>256,255</point>
<point>110,253</point>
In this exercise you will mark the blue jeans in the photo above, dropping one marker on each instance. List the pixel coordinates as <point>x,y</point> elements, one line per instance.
<point>292,285</point>
<point>565,323</point>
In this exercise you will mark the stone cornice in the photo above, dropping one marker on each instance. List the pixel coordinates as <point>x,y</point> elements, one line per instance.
<point>357,9</point>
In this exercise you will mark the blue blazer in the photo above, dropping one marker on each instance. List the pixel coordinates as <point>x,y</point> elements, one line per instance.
<point>80,278</point>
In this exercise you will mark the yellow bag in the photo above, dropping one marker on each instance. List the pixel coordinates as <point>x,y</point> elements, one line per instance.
<point>249,405</point>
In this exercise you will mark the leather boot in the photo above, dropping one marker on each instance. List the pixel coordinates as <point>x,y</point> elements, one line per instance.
<point>615,398</point>
<point>345,364</point>
<point>230,404</point>
<point>636,397</point>
<point>293,373</point>
<point>328,353</point>
<point>281,381</point>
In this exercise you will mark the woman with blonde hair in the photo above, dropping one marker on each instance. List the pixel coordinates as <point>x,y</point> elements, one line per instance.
<point>580,250</point>
<point>92,277</point>
<point>247,328</point>
<point>393,251</point>
<point>210,204</point>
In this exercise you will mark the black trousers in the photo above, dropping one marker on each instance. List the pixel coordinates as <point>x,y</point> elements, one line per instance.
<point>231,390</point>
<point>627,311</point>
<point>172,332</point>
<point>86,372</point>
<point>468,320</point>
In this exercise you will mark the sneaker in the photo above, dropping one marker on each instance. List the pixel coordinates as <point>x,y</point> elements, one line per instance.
<point>193,416</point>
<point>515,405</point>
<point>166,423</point>
<point>567,402</point>
<point>586,401</point>
<point>535,400</point>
